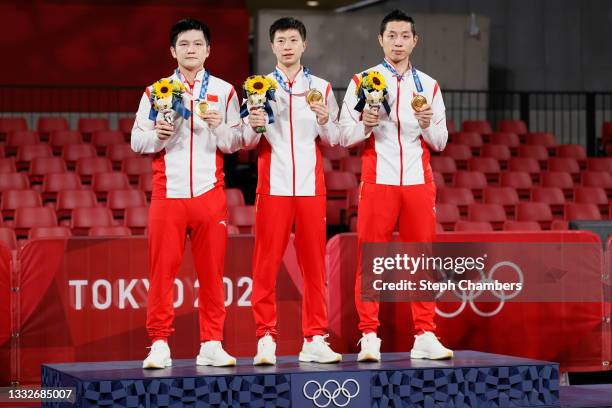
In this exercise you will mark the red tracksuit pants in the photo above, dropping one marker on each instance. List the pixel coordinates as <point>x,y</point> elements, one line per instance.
<point>205,219</point>
<point>274,217</point>
<point>379,208</point>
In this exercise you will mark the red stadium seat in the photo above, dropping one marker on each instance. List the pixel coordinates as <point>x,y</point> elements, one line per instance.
<point>499,152</point>
<point>102,183</point>
<point>574,151</point>
<point>137,219</point>
<point>13,124</point>
<point>233,230</point>
<point>86,167</point>
<point>559,179</point>
<point>461,197</point>
<point>478,126</point>
<point>49,232</point>
<point>145,183</point>
<point>68,200</point>
<point>447,215</point>
<point>87,126</point>
<point>606,135</point>
<point>49,124</point>
<point>46,165</point>
<point>505,139</point>
<point>14,181</point>
<point>338,183</point>
<point>27,153</point>
<point>474,180</point>
<point>599,164</point>
<point>56,182</point>
<point>539,212</point>
<point>7,236</point>
<point>471,139</point>
<point>7,165</point>
<point>504,196</point>
<point>553,196</point>
<point>14,199</point>
<point>242,216</point>
<point>234,197</point>
<point>493,213</point>
<point>460,153</point>
<point>119,200</point>
<point>528,165</point>
<point>26,218</point>
<point>559,225</point>
<point>473,226</point>
<point>581,211</point>
<point>444,165</point>
<point>119,152</point>
<point>592,195</point>
<point>104,138</point>
<point>335,212</point>
<point>351,164</point>
<point>135,166</point>
<point>545,139</point>
<point>61,138</point>
<point>327,165</point>
<point>73,152</point>
<point>540,153</point>
<point>83,218</point>
<point>20,138</point>
<point>511,225</point>
<point>112,231</point>
<point>1,150</point>
<point>565,164</point>
<point>519,180</point>
<point>512,126</point>
<point>438,179</point>
<point>601,179</point>
<point>125,125</point>
<point>335,154</point>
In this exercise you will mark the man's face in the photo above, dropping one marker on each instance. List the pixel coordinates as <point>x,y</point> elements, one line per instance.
<point>397,41</point>
<point>288,46</point>
<point>191,49</point>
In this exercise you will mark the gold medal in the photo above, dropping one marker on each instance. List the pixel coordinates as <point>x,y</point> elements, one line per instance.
<point>313,96</point>
<point>201,108</point>
<point>417,102</point>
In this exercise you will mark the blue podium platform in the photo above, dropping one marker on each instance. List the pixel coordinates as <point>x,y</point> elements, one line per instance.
<point>471,379</point>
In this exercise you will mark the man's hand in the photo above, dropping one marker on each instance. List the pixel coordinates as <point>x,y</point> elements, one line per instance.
<point>320,109</point>
<point>424,116</point>
<point>257,118</point>
<point>164,130</point>
<point>371,119</point>
<point>213,118</point>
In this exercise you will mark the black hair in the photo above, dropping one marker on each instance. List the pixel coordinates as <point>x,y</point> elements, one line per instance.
<point>287,23</point>
<point>396,15</point>
<point>188,24</point>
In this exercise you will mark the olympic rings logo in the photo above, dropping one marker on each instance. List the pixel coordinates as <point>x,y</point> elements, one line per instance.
<point>331,391</point>
<point>469,297</point>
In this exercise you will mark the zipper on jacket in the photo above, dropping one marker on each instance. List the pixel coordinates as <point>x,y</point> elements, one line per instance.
<point>399,131</point>
<point>291,130</point>
<point>191,153</point>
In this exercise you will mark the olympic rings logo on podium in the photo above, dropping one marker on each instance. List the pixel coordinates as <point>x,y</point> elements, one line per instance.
<point>469,297</point>
<point>340,395</point>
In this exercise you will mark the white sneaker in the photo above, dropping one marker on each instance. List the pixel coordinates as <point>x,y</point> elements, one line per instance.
<point>318,351</point>
<point>212,354</point>
<point>159,356</point>
<point>370,348</point>
<point>427,346</point>
<point>266,351</point>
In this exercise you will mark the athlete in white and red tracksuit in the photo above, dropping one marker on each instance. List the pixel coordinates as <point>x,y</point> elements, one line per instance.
<point>291,192</point>
<point>397,180</point>
<point>188,196</point>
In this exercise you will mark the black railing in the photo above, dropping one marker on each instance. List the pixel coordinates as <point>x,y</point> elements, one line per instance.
<point>574,117</point>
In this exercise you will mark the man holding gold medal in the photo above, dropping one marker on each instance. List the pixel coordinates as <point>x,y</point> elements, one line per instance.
<point>301,112</point>
<point>186,121</point>
<point>399,113</point>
